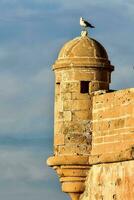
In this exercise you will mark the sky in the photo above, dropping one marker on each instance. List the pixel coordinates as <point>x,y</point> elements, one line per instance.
<point>31,34</point>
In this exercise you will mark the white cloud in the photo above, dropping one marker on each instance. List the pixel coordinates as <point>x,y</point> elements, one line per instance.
<point>22,165</point>
<point>23,102</point>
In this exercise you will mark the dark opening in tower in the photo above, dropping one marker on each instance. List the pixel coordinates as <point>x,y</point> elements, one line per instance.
<point>84,87</point>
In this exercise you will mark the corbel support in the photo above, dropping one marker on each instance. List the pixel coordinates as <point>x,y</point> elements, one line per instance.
<point>72,172</point>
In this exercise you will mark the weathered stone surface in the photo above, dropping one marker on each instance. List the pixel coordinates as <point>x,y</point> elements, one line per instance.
<point>59,139</point>
<point>79,96</point>
<point>82,51</point>
<point>70,87</point>
<point>81,115</point>
<point>86,75</point>
<point>73,161</point>
<point>113,121</point>
<point>75,149</point>
<point>110,181</point>
<point>107,157</point>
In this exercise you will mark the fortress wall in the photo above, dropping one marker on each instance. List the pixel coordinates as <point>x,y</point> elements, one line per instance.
<point>113,121</point>
<point>111,181</point>
<point>111,178</point>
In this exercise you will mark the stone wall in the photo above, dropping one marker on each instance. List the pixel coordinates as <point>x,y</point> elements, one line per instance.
<point>72,113</point>
<point>111,181</point>
<point>111,176</point>
<point>113,121</point>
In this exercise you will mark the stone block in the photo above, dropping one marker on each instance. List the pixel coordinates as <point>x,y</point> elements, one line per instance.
<point>58,76</point>
<point>106,147</point>
<point>57,97</point>
<point>74,149</point>
<point>67,75</point>
<point>58,126</point>
<point>68,87</point>
<point>82,96</point>
<point>66,96</point>
<point>83,76</point>
<point>71,127</point>
<point>67,105</point>
<point>112,138</point>
<point>101,75</point>
<point>58,106</point>
<point>58,139</point>
<point>128,136</point>
<point>74,138</point>
<point>94,86</point>
<point>73,105</point>
<point>129,122</point>
<point>81,115</point>
<point>80,105</point>
<point>103,85</point>
<point>119,123</point>
<point>97,140</point>
<point>63,116</point>
<point>67,115</point>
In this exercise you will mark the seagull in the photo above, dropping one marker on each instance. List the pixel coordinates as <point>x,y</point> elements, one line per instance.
<point>85,24</point>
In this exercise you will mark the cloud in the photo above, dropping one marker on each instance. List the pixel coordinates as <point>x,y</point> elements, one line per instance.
<point>21,165</point>
<point>23,103</point>
<point>24,175</point>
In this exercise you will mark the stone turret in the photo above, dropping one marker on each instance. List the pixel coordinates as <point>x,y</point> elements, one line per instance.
<point>81,69</point>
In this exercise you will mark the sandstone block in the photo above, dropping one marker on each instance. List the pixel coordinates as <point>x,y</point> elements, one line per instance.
<point>67,115</point>
<point>67,75</point>
<point>71,127</point>
<point>58,126</point>
<point>58,139</point>
<point>81,115</point>
<point>73,105</point>
<point>80,96</point>
<point>102,75</point>
<point>67,105</point>
<point>129,122</point>
<point>75,138</point>
<point>66,96</point>
<point>58,77</point>
<point>74,149</point>
<point>82,75</point>
<point>80,105</point>
<point>68,87</point>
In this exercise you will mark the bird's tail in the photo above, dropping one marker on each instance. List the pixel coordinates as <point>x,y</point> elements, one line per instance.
<point>92,26</point>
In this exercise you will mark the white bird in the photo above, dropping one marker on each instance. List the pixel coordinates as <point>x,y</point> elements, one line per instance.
<point>85,24</point>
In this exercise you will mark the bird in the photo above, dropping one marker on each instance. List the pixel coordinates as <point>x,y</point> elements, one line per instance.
<point>85,24</point>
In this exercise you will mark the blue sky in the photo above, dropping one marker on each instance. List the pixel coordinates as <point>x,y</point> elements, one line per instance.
<point>31,35</point>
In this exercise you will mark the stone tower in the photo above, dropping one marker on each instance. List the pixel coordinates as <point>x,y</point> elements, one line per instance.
<point>81,69</point>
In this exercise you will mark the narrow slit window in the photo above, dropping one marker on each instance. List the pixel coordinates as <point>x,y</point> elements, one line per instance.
<point>84,87</point>
<point>58,83</point>
<point>58,87</point>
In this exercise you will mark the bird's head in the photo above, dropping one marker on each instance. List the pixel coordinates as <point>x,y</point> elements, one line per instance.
<point>81,18</point>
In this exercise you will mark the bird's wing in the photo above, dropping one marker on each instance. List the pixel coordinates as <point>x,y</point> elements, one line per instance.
<point>88,24</point>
